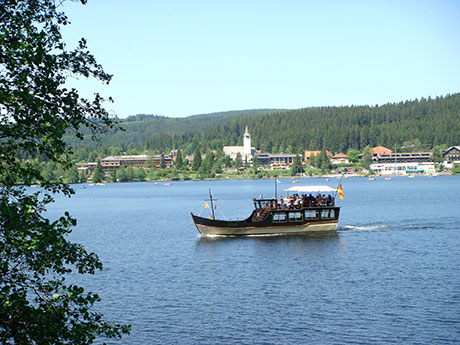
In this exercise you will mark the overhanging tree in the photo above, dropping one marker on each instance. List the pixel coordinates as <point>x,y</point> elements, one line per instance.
<point>37,305</point>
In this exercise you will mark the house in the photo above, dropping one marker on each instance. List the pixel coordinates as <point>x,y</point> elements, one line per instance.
<point>340,158</point>
<point>451,156</point>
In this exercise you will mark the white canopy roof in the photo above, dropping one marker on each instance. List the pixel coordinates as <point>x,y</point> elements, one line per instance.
<point>311,189</point>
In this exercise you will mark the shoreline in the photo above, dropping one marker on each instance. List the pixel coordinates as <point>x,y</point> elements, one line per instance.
<point>236,177</point>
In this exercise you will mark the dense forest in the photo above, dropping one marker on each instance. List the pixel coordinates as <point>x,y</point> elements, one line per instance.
<point>429,122</point>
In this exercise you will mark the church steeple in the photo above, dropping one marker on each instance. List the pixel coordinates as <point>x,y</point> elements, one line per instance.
<point>247,143</point>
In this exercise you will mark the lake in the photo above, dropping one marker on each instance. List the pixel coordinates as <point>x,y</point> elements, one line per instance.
<point>390,275</point>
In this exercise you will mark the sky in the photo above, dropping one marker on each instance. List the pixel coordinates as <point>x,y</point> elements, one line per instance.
<point>178,58</point>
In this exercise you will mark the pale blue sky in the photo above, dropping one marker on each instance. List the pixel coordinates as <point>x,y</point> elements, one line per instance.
<point>179,58</point>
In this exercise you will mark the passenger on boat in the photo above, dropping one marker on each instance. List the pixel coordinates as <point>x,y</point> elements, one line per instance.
<point>304,200</point>
<point>296,201</point>
<point>318,200</point>
<point>310,200</point>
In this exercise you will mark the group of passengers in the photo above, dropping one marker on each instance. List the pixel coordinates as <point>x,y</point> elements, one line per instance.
<point>297,202</point>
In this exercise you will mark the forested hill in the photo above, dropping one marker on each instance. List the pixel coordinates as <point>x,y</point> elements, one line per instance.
<point>432,121</point>
<point>139,128</point>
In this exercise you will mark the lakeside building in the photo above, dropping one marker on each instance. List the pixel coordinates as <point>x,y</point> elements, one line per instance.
<point>275,160</point>
<point>246,151</point>
<point>86,166</point>
<point>135,161</point>
<point>451,156</point>
<point>340,158</point>
<point>403,163</point>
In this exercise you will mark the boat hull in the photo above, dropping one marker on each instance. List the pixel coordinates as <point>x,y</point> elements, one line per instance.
<point>208,227</point>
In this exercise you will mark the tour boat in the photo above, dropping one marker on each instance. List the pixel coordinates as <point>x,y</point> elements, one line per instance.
<point>312,212</point>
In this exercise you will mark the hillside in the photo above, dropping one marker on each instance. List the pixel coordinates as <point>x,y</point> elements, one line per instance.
<point>432,121</point>
<point>139,128</point>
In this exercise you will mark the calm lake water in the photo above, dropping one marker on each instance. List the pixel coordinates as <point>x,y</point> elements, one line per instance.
<point>391,275</point>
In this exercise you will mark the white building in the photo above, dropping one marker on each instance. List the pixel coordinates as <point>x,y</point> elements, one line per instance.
<point>246,151</point>
<point>403,163</point>
<point>403,168</point>
<point>340,159</point>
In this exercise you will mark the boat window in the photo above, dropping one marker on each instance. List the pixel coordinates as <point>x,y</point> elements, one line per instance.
<point>295,216</point>
<point>309,214</point>
<point>327,214</point>
<point>279,216</point>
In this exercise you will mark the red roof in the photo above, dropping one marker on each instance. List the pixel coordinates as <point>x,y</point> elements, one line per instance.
<point>380,150</point>
<point>340,155</point>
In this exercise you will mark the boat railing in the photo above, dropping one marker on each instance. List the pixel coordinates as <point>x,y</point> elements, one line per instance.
<point>293,204</point>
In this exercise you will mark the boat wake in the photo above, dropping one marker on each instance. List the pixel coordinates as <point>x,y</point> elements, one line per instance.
<point>363,228</point>
<point>402,226</point>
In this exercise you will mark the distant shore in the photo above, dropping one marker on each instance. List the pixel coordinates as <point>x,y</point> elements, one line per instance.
<point>284,177</point>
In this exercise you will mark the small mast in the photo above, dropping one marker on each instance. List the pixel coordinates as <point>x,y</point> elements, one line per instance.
<point>211,201</point>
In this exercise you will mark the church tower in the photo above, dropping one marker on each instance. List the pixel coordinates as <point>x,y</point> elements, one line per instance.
<point>247,144</point>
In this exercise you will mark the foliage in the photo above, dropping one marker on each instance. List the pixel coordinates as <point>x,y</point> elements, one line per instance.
<point>196,159</point>
<point>98,174</point>
<point>238,161</point>
<point>114,176</point>
<point>82,176</point>
<point>255,162</point>
<point>456,169</point>
<point>297,168</point>
<point>353,155</point>
<point>139,174</point>
<point>367,157</point>
<point>72,176</point>
<point>36,110</point>
<point>179,162</point>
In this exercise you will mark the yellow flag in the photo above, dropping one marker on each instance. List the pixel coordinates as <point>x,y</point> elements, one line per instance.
<point>206,205</point>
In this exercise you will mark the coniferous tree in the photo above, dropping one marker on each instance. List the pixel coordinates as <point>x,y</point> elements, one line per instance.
<point>196,159</point>
<point>255,163</point>
<point>367,157</point>
<point>325,161</point>
<point>98,174</point>
<point>297,168</point>
<point>179,160</point>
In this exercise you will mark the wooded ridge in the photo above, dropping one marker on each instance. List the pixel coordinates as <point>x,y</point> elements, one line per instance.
<point>433,122</point>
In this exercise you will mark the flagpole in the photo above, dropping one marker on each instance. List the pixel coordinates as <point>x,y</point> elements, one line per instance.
<point>276,190</point>
<point>212,206</point>
<point>340,180</point>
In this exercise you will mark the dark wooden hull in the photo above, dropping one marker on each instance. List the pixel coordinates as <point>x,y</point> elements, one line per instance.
<point>326,221</point>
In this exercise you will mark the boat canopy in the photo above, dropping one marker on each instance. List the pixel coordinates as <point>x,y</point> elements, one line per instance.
<point>311,189</point>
